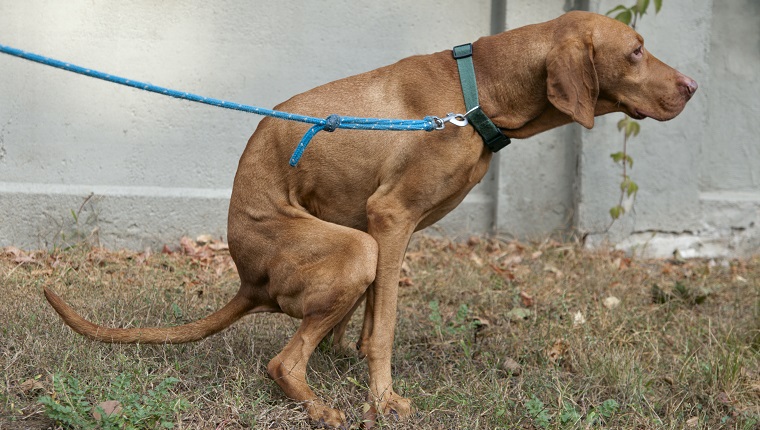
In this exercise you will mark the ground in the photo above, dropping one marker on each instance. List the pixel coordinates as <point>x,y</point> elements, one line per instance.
<point>491,334</point>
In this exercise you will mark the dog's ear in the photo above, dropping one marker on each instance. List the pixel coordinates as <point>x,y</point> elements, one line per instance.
<point>571,84</point>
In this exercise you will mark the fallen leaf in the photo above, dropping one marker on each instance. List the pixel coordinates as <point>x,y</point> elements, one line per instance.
<point>519,314</point>
<point>109,408</point>
<point>19,256</point>
<point>188,246</point>
<point>369,416</point>
<point>692,422</point>
<point>405,282</point>
<point>30,386</point>
<point>536,254</point>
<point>526,299</point>
<point>476,259</point>
<point>481,322</point>
<point>557,352</point>
<point>204,239</point>
<point>219,246</point>
<point>511,260</point>
<point>611,302</point>
<point>579,319</point>
<point>554,270</point>
<point>510,367</point>
<point>506,274</point>
<point>405,269</point>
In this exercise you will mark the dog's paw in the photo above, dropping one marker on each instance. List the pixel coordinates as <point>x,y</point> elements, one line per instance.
<point>324,416</point>
<point>396,406</point>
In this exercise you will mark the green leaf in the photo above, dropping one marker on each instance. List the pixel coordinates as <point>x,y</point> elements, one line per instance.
<point>621,124</point>
<point>616,212</point>
<point>632,188</point>
<point>657,5</point>
<point>569,415</point>
<point>519,314</point>
<point>608,408</point>
<point>632,128</point>
<point>625,17</point>
<point>615,9</point>
<point>618,156</point>
<point>641,6</point>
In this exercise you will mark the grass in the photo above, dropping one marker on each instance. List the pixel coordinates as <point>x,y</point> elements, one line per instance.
<point>490,334</point>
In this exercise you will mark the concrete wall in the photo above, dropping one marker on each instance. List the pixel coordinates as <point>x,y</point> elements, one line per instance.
<point>159,168</point>
<point>699,174</point>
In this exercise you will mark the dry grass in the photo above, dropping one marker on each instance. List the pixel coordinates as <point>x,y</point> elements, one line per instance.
<point>684,356</point>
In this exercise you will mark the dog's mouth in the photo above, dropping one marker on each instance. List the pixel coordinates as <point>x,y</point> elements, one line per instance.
<point>637,114</point>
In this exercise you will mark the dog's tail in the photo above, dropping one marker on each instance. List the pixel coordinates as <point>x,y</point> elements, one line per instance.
<point>219,320</point>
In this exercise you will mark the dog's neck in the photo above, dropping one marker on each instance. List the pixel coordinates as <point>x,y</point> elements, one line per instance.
<point>512,88</point>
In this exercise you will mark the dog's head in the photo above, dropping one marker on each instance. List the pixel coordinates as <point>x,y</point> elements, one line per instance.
<point>599,65</point>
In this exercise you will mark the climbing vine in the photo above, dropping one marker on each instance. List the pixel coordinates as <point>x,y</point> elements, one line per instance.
<point>629,15</point>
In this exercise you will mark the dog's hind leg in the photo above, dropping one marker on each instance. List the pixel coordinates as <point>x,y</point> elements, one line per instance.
<point>340,345</point>
<point>320,281</point>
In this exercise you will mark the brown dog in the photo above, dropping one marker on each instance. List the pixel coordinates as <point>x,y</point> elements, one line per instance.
<point>313,240</point>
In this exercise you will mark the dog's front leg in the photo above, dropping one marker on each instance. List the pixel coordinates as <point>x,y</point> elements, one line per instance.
<point>392,227</point>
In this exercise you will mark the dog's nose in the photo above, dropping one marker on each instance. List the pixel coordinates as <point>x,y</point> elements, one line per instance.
<point>687,86</point>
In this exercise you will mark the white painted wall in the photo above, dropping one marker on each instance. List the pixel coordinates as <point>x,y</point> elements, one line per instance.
<point>160,168</point>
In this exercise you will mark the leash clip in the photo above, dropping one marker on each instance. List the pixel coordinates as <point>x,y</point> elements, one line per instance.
<point>457,119</point>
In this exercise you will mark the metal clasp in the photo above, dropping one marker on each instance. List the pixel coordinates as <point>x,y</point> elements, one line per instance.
<point>457,119</point>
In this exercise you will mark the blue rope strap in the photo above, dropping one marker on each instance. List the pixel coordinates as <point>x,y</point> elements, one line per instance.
<point>331,123</point>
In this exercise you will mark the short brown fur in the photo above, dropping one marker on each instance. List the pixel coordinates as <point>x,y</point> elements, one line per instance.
<point>315,240</point>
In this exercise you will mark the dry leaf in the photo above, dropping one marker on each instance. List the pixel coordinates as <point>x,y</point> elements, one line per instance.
<point>30,386</point>
<point>405,282</point>
<point>511,260</point>
<point>476,259</point>
<point>552,269</point>
<point>510,366</point>
<point>405,269</point>
<point>218,246</point>
<point>19,256</point>
<point>611,302</point>
<point>506,274</point>
<point>579,319</point>
<point>204,239</point>
<point>110,407</point>
<point>188,246</point>
<point>557,352</point>
<point>526,299</point>
<point>692,422</point>
<point>369,416</point>
<point>481,322</point>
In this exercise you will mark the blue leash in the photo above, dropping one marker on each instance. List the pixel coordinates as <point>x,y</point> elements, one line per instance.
<point>329,124</point>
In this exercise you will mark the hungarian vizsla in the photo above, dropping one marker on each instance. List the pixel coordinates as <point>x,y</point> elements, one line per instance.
<point>313,241</point>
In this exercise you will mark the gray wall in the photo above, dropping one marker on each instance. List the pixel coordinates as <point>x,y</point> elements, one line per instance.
<point>158,168</point>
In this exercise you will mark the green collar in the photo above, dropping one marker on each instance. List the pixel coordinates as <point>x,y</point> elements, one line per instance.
<point>493,138</point>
